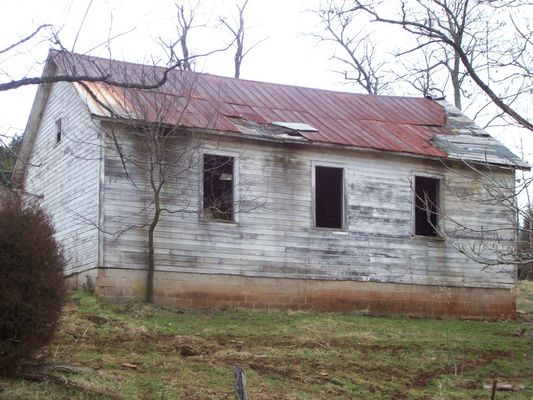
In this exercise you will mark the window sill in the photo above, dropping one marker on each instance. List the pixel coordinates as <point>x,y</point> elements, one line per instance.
<point>336,231</point>
<point>218,222</point>
<point>432,238</point>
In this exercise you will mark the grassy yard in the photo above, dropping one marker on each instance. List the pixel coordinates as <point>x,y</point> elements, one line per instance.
<point>137,351</point>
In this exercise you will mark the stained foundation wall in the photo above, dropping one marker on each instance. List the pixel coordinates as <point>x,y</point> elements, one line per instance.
<point>85,280</point>
<point>215,291</point>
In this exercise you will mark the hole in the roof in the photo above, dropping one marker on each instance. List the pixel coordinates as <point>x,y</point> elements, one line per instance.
<point>296,126</point>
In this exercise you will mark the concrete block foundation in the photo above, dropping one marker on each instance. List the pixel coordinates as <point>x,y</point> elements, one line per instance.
<point>176,289</point>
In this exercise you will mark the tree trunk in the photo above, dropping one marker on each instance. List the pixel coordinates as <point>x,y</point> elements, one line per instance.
<point>237,68</point>
<point>151,257</point>
<point>456,81</point>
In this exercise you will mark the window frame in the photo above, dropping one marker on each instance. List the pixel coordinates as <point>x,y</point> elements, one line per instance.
<point>344,196</point>
<point>201,215</point>
<point>440,204</point>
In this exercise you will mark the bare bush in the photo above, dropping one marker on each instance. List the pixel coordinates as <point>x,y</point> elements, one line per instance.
<point>31,281</point>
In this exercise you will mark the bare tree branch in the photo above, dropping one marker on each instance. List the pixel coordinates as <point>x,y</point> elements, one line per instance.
<point>428,24</point>
<point>358,50</point>
<point>27,38</point>
<point>238,35</point>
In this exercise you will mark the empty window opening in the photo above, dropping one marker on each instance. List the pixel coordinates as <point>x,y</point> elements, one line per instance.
<point>426,205</point>
<point>328,197</point>
<point>58,130</point>
<point>218,187</point>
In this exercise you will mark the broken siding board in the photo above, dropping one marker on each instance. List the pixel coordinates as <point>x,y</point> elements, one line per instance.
<point>278,239</point>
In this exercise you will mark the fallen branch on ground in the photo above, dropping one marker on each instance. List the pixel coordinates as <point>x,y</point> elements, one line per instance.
<point>63,381</point>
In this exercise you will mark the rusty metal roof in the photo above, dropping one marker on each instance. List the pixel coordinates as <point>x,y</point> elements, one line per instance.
<point>389,123</point>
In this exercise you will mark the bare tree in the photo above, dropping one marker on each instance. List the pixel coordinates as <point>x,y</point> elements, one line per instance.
<point>237,31</point>
<point>151,150</point>
<point>154,154</point>
<point>462,26</point>
<point>73,75</point>
<point>525,245</point>
<point>423,73</point>
<point>490,244</point>
<point>455,26</point>
<point>9,147</point>
<point>363,66</point>
<point>148,148</point>
<point>49,35</point>
<point>186,15</point>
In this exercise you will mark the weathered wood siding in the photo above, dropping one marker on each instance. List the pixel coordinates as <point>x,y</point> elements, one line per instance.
<point>275,237</point>
<point>66,175</point>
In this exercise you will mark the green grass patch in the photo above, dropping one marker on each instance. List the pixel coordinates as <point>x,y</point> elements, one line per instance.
<point>138,351</point>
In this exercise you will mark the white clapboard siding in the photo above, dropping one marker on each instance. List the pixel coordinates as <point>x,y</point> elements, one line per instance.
<point>277,239</point>
<point>66,175</point>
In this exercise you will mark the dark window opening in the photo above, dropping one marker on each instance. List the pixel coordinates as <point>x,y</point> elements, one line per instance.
<point>426,205</point>
<point>218,187</point>
<point>58,130</point>
<point>328,197</point>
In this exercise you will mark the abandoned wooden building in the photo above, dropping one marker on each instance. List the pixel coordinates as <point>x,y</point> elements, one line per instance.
<point>273,196</point>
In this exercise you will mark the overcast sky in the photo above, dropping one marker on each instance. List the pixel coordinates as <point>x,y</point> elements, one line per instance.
<point>287,55</point>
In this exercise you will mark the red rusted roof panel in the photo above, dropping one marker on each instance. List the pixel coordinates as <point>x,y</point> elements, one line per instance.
<point>398,124</point>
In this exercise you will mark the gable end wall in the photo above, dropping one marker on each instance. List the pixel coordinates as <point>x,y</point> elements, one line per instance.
<point>67,176</point>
